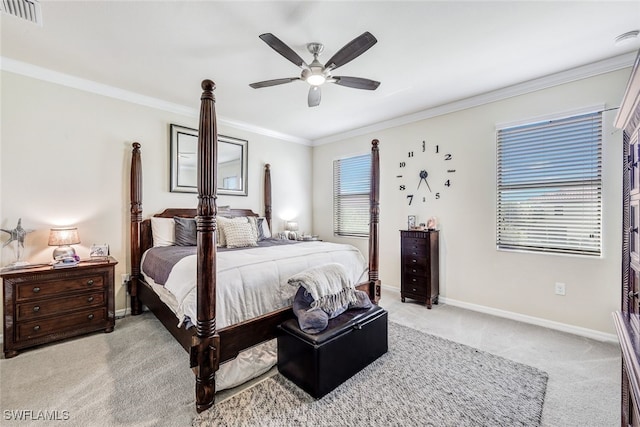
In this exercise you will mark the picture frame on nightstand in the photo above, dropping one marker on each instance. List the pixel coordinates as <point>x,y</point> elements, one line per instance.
<point>411,222</point>
<point>99,251</point>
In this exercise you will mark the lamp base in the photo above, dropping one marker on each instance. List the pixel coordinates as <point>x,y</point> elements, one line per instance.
<point>63,252</point>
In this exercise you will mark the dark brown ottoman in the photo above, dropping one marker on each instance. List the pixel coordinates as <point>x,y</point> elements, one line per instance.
<point>318,363</point>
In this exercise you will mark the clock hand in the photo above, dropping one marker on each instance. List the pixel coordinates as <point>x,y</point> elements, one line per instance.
<point>423,177</point>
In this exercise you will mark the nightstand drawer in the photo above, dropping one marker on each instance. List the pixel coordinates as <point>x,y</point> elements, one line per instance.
<point>44,288</point>
<point>82,319</point>
<point>33,310</point>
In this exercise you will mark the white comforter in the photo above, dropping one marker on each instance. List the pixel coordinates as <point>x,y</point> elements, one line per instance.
<point>253,282</point>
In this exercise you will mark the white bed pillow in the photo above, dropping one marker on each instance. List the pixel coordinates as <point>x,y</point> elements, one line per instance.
<point>240,234</point>
<point>163,231</point>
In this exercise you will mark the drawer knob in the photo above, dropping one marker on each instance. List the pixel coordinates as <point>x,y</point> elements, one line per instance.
<point>89,299</point>
<point>414,260</point>
<point>36,328</point>
<point>415,290</point>
<point>36,308</point>
<point>90,317</point>
<point>36,290</point>
<point>414,270</point>
<point>414,280</point>
<point>90,282</point>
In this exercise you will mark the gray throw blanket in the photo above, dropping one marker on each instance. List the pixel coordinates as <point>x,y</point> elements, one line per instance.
<point>328,285</point>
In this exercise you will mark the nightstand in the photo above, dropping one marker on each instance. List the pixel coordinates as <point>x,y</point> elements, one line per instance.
<point>420,266</point>
<point>43,304</point>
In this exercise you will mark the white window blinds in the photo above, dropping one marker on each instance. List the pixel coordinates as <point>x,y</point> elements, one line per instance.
<point>549,186</point>
<point>351,188</point>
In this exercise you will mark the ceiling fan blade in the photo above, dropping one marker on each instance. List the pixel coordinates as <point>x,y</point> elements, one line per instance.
<point>356,82</point>
<point>352,50</point>
<point>273,82</point>
<point>284,50</point>
<point>314,96</point>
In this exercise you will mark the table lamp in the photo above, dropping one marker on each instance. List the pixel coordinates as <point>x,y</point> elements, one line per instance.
<point>63,237</point>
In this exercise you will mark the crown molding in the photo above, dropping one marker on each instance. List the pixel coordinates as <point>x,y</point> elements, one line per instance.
<point>590,70</point>
<point>608,65</point>
<point>45,74</point>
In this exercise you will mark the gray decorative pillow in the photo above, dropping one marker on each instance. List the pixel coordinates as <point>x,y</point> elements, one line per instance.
<point>239,234</point>
<point>314,320</point>
<point>185,231</point>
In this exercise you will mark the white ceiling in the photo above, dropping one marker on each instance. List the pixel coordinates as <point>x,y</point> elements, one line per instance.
<point>429,53</point>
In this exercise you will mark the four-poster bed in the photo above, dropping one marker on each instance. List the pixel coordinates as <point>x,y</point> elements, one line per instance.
<point>208,346</point>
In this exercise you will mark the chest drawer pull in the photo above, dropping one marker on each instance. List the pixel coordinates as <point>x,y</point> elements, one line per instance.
<point>90,317</point>
<point>36,290</point>
<point>36,308</point>
<point>36,328</point>
<point>90,282</point>
<point>90,299</point>
<point>415,289</point>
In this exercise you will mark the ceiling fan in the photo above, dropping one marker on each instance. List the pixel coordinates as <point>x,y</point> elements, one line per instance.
<point>317,74</point>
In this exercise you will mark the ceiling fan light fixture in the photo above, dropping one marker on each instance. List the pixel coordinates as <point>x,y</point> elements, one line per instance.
<point>316,79</point>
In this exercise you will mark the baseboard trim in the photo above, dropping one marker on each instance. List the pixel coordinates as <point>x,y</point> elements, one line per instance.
<point>545,323</point>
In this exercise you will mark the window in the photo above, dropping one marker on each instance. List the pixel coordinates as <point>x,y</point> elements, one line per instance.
<point>351,188</point>
<point>549,186</point>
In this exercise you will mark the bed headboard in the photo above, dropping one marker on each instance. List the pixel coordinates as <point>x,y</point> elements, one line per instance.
<point>146,239</point>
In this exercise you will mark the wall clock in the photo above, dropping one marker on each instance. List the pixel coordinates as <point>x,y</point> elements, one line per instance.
<point>425,173</point>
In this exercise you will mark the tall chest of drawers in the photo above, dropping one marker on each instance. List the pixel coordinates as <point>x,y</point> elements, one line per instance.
<point>42,304</point>
<point>420,266</point>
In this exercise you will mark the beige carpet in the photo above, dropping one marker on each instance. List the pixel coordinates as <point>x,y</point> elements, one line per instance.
<point>95,380</point>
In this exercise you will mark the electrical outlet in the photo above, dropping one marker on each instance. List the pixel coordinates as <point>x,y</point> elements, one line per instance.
<point>560,288</point>
<point>125,278</point>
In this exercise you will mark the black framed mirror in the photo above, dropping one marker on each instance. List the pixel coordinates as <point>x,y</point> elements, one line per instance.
<point>232,162</point>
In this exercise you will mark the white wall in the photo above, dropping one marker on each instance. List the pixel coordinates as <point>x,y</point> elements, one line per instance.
<point>65,158</point>
<point>472,271</point>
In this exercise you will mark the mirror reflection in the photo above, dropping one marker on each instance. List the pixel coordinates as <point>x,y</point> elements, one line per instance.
<point>232,162</point>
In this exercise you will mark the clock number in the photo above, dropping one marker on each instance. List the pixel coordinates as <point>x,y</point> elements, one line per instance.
<point>403,164</point>
<point>423,146</point>
<point>410,197</point>
<point>447,183</point>
<point>410,154</point>
<point>448,157</point>
<point>403,187</point>
<point>437,149</point>
<point>424,199</point>
<point>437,196</point>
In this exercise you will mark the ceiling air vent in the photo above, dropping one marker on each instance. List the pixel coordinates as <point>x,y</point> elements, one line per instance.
<point>25,9</point>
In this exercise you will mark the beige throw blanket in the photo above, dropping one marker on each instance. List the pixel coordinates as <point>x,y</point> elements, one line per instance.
<point>328,285</point>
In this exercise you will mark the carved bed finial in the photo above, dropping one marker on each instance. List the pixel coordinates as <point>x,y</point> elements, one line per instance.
<point>208,85</point>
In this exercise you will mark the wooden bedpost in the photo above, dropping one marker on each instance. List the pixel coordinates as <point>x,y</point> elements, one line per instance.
<point>267,194</point>
<point>136,219</point>
<point>374,220</point>
<point>205,348</point>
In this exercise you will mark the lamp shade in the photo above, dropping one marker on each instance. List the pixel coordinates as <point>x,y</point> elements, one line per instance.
<point>291,226</point>
<point>63,236</point>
